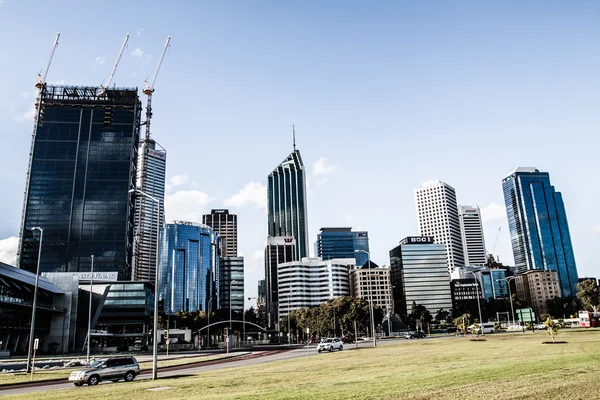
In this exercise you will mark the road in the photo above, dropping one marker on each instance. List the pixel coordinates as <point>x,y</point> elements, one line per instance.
<point>243,359</point>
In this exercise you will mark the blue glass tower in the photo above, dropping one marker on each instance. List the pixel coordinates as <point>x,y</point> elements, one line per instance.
<point>538,226</point>
<point>342,243</point>
<point>188,267</point>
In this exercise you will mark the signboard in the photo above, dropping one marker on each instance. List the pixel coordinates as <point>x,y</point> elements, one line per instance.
<point>98,276</point>
<point>362,234</point>
<point>220,211</point>
<point>417,240</point>
<point>525,315</point>
<point>36,343</point>
<point>157,154</point>
<point>288,240</point>
<point>183,223</point>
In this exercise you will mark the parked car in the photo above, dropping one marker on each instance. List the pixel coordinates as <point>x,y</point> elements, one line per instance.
<point>415,335</point>
<point>108,369</point>
<point>330,344</point>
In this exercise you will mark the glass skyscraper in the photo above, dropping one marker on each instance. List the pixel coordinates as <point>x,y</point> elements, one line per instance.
<point>81,167</point>
<point>538,226</point>
<point>287,202</point>
<point>189,267</point>
<point>342,243</point>
<point>231,281</point>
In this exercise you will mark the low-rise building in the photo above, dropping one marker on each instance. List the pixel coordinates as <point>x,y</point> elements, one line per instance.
<point>536,287</point>
<point>373,283</point>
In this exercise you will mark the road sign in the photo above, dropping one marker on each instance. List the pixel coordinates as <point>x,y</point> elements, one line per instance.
<point>36,342</point>
<point>525,315</point>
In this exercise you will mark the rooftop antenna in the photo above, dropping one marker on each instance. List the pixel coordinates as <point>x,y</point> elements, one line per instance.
<point>294,133</point>
<point>112,74</point>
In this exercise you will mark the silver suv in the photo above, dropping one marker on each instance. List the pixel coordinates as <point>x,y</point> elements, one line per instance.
<point>330,344</point>
<point>108,369</point>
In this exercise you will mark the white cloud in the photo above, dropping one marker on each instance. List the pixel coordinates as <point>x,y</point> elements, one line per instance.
<point>493,212</point>
<point>593,231</point>
<point>24,94</point>
<point>99,61</point>
<point>320,167</point>
<point>176,180</point>
<point>254,193</point>
<point>137,52</point>
<point>258,255</point>
<point>186,205</point>
<point>8,250</point>
<point>25,116</point>
<point>139,33</point>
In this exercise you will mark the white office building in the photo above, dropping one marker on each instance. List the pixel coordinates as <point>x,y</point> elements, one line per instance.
<point>312,281</point>
<point>437,212</point>
<point>471,230</point>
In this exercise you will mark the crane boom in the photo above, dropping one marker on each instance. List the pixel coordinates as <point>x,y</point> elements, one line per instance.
<point>41,78</point>
<point>112,74</point>
<point>149,89</point>
<point>497,236</point>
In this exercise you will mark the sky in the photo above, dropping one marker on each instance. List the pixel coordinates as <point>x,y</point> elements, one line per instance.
<point>384,96</point>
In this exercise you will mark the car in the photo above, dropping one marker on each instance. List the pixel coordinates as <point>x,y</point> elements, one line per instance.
<point>330,344</point>
<point>415,335</point>
<point>347,339</point>
<point>541,327</point>
<point>107,369</point>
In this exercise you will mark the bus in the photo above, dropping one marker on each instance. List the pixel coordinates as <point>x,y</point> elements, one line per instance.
<point>589,319</point>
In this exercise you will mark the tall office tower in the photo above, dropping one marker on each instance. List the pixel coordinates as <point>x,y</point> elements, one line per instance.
<point>418,273</point>
<point>538,225</point>
<point>471,230</point>
<point>189,268</point>
<point>261,299</point>
<point>232,283</point>
<point>225,225</point>
<point>438,217</point>
<point>277,251</point>
<point>151,171</point>
<point>81,166</point>
<point>342,243</point>
<point>287,202</point>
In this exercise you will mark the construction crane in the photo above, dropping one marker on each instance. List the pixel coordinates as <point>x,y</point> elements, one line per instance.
<point>112,74</point>
<point>496,241</point>
<point>41,78</point>
<point>149,89</point>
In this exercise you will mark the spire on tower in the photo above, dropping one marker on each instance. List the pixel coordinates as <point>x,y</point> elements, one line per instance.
<point>294,132</point>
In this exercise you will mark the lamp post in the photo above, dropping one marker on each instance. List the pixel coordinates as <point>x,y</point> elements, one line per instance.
<point>370,295</point>
<point>208,325</point>
<point>35,290</point>
<point>89,334</point>
<point>155,325</point>
<point>512,310</point>
<point>478,304</point>
<point>229,333</point>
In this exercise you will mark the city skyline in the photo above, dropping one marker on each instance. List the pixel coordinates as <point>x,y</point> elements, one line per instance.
<point>343,89</point>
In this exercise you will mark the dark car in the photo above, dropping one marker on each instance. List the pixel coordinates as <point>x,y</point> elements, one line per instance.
<point>348,339</point>
<point>415,335</point>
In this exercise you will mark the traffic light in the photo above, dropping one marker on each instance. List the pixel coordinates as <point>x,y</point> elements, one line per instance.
<point>108,116</point>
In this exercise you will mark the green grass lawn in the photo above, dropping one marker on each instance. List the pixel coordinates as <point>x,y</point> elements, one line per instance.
<point>513,366</point>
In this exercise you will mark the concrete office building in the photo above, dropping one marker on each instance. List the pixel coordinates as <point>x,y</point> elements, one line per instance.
<point>373,284</point>
<point>278,250</point>
<point>538,225</point>
<point>419,273</point>
<point>225,224</point>
<point>312,281</point>
<point>536,288</point>
<point>437,212</point>
<point>471,229</point>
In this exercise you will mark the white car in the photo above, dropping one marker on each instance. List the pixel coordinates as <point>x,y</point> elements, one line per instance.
<point>330,344</point>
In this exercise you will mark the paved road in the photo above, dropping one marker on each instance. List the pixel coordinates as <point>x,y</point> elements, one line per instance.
<point>244,359</point>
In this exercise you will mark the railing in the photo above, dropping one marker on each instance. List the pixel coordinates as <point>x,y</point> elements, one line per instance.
<point>28,303</point>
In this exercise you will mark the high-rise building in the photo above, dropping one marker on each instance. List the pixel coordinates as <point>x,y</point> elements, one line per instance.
<point>82,165</point>
<point>312,281</point>
<point>286,196</point>
<point>151,170</point>
<point>372,284</point>
<point>232,283</point>
<point>437,211</point>
<point>536,287</point>
<point>491,280</point>
<point>278,250</point>
<point>471,230</point>
<point>189,267</point>
<point>418,273</point>
<point>225,225</point>
<point>342,243</point>
<point>539,230</point>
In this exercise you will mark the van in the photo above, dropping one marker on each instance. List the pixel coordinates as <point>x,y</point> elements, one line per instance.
<point>488,327</point>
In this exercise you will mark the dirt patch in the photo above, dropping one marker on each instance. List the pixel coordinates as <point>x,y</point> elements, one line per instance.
<point>555,342</point>
<point>477,340</point>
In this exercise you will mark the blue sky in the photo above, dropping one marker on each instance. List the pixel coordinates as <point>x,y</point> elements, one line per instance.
<point>384,97</point>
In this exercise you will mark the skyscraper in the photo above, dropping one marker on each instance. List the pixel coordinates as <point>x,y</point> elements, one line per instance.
<point>539,230</point>
<point>151,171</point>
<point>437,211</point>
<point>231,281</point>
<point>342,243</point>
<point>225,225</point>
<point>287,202</point>
<point>82,165</point>
<point>277,251</point>
<point>471,230</point>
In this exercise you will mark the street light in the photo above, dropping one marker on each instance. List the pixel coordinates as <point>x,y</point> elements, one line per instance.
<point>89,333</point>
<point>478,305</point>
<point>208,325</point>
<point>37,277</point>
<point>155,327</point>
<point>512,310</point>
<point>229,333</point>
<point>370,296</point>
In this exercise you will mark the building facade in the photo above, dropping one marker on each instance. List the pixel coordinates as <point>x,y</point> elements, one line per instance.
<point>312,281</point>
<point>286,202</point>
<point>471,229</point>
<point>278,250</point>
<point>539,229</point>
<point>491,281</point>
<point>82,164</point>
<point>437,212</point>
<point>189,267</point>
<point>149,214</point>
<point>232,283</point>
<point>225,224</point>
<point>419,273</point>
<point>536,288</point>
<point>373,284</point>
<point>342,243</point>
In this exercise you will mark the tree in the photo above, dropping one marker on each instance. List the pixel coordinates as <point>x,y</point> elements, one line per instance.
<point>588,295</point>
<point>461,323</point>
<point>442,315</point>
<point>552,328</point>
